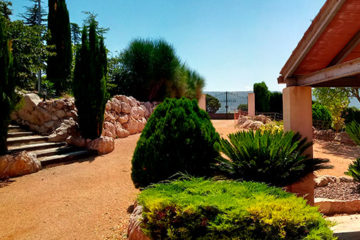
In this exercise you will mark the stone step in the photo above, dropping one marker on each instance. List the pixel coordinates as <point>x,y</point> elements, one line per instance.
<point>54,151</point>
<point>11,126</point>
<point>45,161</point>
<point>20,134</point>
<point>35,146</point>
<point>26,139</point>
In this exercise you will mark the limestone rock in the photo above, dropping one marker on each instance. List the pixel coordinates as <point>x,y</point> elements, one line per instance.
<point>19,164</point>
<point>255,125</point>
<point>125,107</point>
<point>76,141</point>
<point>123,118</point>
<point>102,145</point>
<point>322,181</point>
<point>110,127</point>
<point>132,126</point>
<point>121,132</point>
<point>134,230</point>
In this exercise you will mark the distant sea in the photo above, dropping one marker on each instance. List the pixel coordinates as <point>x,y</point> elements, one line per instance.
<point>240,97</point>
<point>234,99</point>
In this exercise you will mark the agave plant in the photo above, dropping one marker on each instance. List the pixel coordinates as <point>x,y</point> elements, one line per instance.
<point>276,158</point>
<point>354,170</point>
<point>353,130</point>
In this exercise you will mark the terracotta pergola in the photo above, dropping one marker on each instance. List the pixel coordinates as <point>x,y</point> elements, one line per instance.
<point>328,55</point>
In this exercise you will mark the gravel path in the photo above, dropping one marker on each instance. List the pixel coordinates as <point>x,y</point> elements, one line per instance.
<point>86,200</point>
<point>89,199</point>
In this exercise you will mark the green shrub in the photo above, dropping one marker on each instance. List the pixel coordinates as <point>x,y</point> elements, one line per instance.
<point>212,104</point>
<point>354,170</point>
<point>90,82</point>
<point>262,97</point>
<point>321,116</point>
<point>7,85</point>
<point>351,114</point>
<point>179,137</point>
<point>276,102</point>
<point>59,65</point>
<point>205,209</point>
<point>353,130</point>
<point>243,107</point>
<point>276,158</point>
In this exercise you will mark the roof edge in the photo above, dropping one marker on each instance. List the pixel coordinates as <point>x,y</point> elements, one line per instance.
<point>316,29</point>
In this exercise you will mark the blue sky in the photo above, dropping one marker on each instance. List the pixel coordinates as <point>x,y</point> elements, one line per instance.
<point>231,43</point>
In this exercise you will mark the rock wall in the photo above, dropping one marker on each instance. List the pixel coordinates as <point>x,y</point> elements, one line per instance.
<point>57,118</point>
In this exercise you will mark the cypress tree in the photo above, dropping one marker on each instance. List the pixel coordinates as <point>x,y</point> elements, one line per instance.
<point>89,85</point>
<point>59,65</point>
<point>7,85</point>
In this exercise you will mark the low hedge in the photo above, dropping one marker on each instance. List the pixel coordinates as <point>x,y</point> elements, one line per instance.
<point>206,209</point>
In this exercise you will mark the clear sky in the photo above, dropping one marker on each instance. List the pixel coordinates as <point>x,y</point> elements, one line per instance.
<point>231,43</point>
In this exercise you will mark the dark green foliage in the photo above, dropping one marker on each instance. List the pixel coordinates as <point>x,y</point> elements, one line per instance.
<point>59,65</point>
<point>179,137</point>
<point>5,9</point>
<point>212,104</point>
<point>7,84</point>
<point>150,66</point>
<point>354,170</point>
<point>204,209</point>
<point>262,97</point>
<point>276,158</point>
<point>353,130</point>
<point>351,114</point>
<point>90,82</point>
<point>243,107</point>
<point>150,70</point>
<point>29,51</point>
<point>321,116</point>
<point>276,102</point>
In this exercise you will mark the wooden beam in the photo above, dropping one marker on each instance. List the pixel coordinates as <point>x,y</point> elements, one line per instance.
<point>316,29</point>
<point>347,69</point>
<point>346,50</point>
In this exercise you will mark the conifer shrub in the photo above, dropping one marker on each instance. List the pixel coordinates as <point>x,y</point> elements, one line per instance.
<point>90,82</point>
<point>179,137</point>
<point>7,84</point>
<point>205,209</point>
<point>59,64</point>
<point>274,157</point>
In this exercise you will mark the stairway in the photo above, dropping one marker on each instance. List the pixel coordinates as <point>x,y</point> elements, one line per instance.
<point>48,153</point>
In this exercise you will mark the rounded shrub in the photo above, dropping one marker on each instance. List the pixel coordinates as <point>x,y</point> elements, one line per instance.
<point>205,209</point>
<point>321,116</point>
<point>179,137</point>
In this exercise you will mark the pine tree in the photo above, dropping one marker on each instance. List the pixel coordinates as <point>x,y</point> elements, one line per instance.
<point>59,66</point>
<point>5,9</point>
<point>7,85</point>
<point>90,82</point>
<point>35,15</point>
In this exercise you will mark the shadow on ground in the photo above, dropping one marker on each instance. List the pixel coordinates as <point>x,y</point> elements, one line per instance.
<point>5,182</point>
<point>348,235</point>
<point>340,149</point>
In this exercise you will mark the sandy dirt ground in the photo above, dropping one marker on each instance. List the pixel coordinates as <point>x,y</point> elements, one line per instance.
<point>90,199</point>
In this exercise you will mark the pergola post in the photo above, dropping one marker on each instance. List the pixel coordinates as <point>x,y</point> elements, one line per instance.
<point>297,113</point>
<point>251,104</point>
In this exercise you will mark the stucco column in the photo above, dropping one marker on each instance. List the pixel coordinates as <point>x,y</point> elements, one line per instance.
<point>297,114</point>
<point>251,104</point>
<point>202,102</point>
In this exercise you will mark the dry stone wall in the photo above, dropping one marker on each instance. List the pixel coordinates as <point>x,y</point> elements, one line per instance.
<point>57,118</point>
